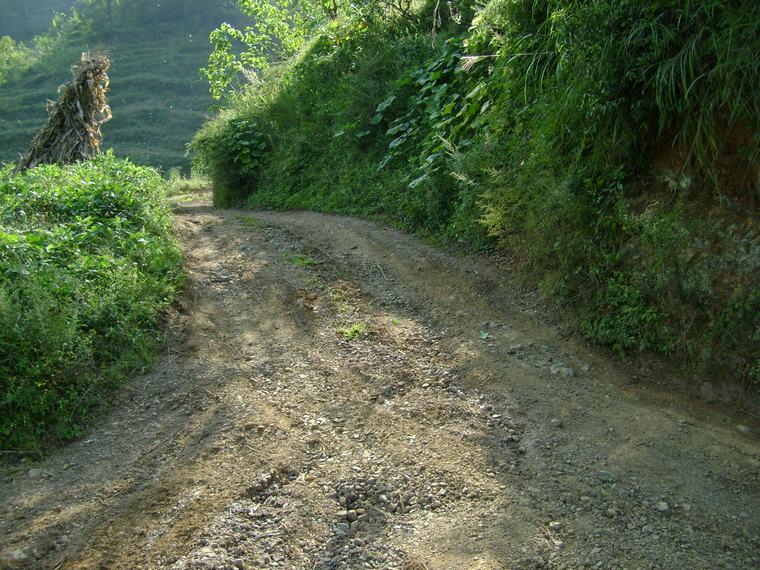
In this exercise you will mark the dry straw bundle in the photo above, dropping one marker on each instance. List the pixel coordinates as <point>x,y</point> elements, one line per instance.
<point>72,132</point>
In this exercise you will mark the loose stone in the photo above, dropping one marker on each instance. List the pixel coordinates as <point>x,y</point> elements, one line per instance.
<point>662,506</point>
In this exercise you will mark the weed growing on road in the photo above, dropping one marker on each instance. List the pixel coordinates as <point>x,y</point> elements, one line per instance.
<point>343,296</point>
<point>353,331</point>
<point>250,221</point>
<point>302,260</point>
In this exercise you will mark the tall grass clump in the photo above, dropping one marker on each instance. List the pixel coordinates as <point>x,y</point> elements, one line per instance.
<point>87,263</point>
<point>611,146</point>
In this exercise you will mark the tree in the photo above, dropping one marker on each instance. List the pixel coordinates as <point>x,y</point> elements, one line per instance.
<point>106,9</point>
<point>277,31</point>
<point>279,28</point>
<point>13,57</point>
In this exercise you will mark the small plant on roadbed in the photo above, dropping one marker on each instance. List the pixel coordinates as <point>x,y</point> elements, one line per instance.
<point>300,260</point>
<point>353,331</point>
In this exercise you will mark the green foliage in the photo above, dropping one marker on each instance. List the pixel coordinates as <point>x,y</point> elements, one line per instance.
<point>624,318</point>
<point>233,157</point>
<point>587,95</point>
<point>586,138</point>
<point>445,107</point>
<point>624,72</point>
<point>325,154</point>
<point>302,260</point>
<point>353,331</point>
<point>278,30</point>
<point>87,262</point>
<point>13,57</point>
<point>734,336</point>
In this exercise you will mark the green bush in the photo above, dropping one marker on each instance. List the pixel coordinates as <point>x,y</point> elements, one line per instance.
<point>87,262</point>
<point>233,157</point>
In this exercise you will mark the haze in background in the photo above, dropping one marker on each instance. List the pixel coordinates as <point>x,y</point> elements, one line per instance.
<point>24,19</point>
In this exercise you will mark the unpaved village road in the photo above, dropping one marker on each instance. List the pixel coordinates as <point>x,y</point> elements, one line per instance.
<point>455,427</point>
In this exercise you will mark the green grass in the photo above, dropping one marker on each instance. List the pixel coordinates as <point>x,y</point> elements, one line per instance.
<point>87,263</point>
<point>302,260</point>
<point>177,185</point>
<point>250,222</point>
<point>353,331</point>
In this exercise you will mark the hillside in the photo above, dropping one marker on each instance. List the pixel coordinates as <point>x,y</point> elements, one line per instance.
<point>609,149</point>
<point>158,97</point>
<point>22,19</point>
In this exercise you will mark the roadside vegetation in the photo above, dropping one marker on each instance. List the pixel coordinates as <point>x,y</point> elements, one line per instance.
<point>87,264</point>
<point>610,147</point>
<point>178,185</point>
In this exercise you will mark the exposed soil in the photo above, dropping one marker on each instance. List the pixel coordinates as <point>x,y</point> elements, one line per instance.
<point>336,394</point>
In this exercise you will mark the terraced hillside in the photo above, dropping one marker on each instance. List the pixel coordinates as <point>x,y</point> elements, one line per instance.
<point>23,19</point>
<point>157,96</point>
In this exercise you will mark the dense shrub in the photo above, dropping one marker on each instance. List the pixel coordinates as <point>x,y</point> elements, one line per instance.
<point>619,120</point>
<point>613,146</point>
<point>232,155</point>
<point>87,262</point>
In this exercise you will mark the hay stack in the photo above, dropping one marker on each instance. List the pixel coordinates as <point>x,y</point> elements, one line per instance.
<point>72,132</point>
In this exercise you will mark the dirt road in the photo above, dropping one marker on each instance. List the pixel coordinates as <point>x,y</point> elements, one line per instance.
<point>336,394</point>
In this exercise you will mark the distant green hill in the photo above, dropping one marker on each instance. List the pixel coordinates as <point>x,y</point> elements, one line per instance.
<point>157,96</point>
<point>22,19</point>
